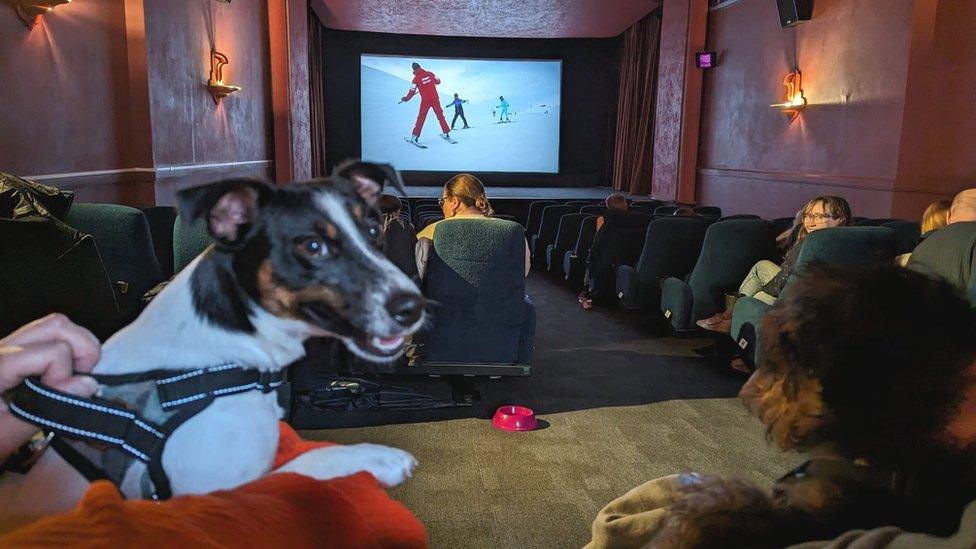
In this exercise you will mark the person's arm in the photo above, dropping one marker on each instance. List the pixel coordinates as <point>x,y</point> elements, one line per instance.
<point>54,349</point>
<point>410,93</point>
<point>422,254</point>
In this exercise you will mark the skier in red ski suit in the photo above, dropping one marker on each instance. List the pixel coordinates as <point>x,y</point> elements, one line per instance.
<point>426,83</point>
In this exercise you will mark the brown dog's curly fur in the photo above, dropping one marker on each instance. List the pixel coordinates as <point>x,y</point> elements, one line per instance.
<point>872,363</point>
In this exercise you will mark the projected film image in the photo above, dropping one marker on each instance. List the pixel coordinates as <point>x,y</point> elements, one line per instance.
<point>477,115</point>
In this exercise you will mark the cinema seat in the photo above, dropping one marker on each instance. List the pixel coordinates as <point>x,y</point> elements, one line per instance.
<point>738,216</point>
<point>125,245</point>
<point>671,247</point>
<point>713,211</point>
<point>836,245</point>
<point>161,220</point>
<point>534,218</point>
<point>566,236</point>
<point>730,249</point>
<point>189,241</point>
<point>907,234</point>
<point>665,210</point>
<point>618,242</point>
<point>574,260</point>
<point>482,323</point>
<point>593,209</point>
<point>547,230</point>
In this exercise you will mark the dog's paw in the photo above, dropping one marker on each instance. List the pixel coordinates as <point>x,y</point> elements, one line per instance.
<point>390,466</point>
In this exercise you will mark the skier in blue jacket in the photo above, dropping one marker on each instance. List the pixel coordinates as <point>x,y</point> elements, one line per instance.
<point>503,113</point>
<point>458,111</point>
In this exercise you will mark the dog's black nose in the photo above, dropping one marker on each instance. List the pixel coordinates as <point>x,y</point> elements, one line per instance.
<point>405,308</point>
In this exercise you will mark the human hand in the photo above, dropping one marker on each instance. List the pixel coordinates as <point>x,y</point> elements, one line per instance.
<point>53,348</point>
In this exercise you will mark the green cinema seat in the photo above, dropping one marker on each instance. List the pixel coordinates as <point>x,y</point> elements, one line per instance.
<point>836,245</point>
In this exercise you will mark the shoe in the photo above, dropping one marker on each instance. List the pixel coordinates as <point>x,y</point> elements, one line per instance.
<point>583,295</point>
<point>586,303</point>
<point>723,326</point>
<point>740,365</point>
<point>464,128</point>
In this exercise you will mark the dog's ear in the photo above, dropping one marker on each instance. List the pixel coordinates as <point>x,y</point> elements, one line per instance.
<point>229,207</point>
<point>380,174</point>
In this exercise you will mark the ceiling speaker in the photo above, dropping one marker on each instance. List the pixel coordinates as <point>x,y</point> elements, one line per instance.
<point>792,12</point>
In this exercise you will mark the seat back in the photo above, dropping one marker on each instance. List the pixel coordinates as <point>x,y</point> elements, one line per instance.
<point>161,220</point>
<point>650,205</point>
<point>577,204</point>
<point>730,249</point>
<point>878,222</point>
<point>713,211</point>
<point>548,227</point>
<point>780,224</point>
<point>845,246</point>
<point>566,236</point>
<point>618,242</point>
<point>665,210</point>
<point>593,209</point>
<point>421,211</point>
<point>738,216</point>
<point>189,241</point>
<point>125,244</point>
<point>534,218</point>
<point>907,234</point>
<point>476,275</point>
<point>671,248</point>
<point>50,267</point>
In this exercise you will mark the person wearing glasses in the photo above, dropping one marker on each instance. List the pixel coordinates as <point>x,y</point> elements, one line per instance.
<point>766,279</point>
<point>463,197</point>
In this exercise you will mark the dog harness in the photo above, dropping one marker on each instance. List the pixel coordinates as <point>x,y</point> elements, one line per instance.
<point>133,416</point>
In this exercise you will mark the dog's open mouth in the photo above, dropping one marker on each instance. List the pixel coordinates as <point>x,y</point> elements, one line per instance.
<point>364,345</point>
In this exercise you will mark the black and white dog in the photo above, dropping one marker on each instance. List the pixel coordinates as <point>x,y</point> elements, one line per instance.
<point>288,263</point>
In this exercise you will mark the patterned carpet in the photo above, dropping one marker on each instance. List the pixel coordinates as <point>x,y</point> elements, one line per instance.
<point>622,406</point>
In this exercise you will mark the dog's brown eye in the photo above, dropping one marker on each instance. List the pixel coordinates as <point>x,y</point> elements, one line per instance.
<point>313,247</point>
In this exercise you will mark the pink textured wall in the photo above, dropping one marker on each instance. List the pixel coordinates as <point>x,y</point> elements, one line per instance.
<point>854,57</point>
<point>187,127</point>
<point>63,98</point>
<point>937,156</point>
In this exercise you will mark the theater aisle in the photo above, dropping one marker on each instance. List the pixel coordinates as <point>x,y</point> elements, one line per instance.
<point>622,406</point>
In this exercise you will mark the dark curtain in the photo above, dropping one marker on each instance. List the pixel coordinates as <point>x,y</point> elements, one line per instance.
<point>634,143</point>
<point>316,81</point>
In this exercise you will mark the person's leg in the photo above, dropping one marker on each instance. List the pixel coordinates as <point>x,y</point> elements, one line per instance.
<point>761,273</point>
<point>454,120</point>
<point>463,119</point>
<point>440,117</point>
<point>421,116</point>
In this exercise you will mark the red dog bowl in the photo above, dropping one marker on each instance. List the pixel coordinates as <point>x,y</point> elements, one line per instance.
<point>514,418</point>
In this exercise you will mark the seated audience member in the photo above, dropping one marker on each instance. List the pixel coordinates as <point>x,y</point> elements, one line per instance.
<point>398,239</point>
<point>882,402</point>
<point>284,509</point>
<point>463,198</point>
<point>936,215</point>
<point>766,279</point>
<point>950,252</point>
<point>933,218</point>
<point>615,202</point>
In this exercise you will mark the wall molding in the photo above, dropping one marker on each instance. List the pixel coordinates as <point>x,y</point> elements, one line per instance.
<point>129,175</point>
<point>815,179</point>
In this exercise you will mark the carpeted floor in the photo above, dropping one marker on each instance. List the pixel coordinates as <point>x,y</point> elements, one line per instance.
<point>622,406</point>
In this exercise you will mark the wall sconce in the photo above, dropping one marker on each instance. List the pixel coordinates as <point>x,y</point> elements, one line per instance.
<point>30,10</point>
<point>218,89</point>
<point>795,102</point>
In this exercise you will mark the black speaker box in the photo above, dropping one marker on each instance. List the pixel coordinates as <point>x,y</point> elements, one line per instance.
<point>792,12</point>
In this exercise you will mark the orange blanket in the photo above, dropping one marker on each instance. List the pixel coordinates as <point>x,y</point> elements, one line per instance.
<point>283,510</point>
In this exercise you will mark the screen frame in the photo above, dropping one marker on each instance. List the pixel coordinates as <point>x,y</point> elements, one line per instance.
<point>434,173</point>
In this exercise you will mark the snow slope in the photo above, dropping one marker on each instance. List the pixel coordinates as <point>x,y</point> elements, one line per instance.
<point>529,144</point>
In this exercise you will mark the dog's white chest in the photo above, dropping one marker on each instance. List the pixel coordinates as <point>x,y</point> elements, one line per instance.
<point>232,442</point>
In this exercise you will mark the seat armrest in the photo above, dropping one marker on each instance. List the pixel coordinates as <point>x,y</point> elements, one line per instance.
<point>677,300</point>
